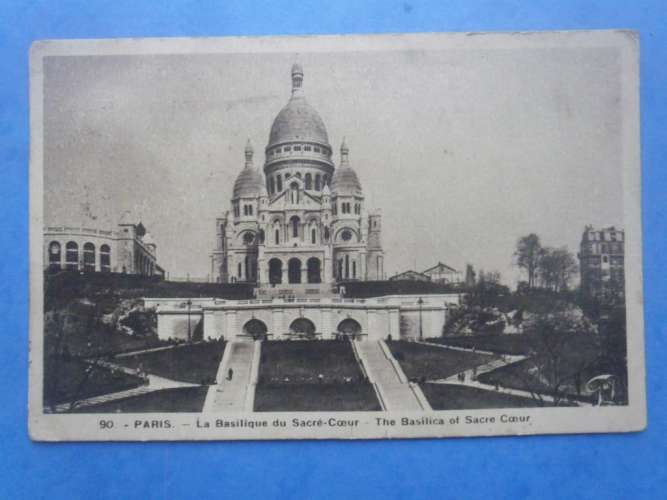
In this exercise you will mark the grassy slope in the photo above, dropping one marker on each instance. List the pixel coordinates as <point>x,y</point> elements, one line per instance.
<point>457,397</point>
<point>194,363</point>
<point>433,363</point>
<point>186,399</point>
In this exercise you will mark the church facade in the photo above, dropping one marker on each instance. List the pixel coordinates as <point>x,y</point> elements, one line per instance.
<point>302,220</point>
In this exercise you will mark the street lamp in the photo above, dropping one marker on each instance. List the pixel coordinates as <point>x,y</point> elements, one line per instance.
<point>189,303</point>
<point>421,332</point>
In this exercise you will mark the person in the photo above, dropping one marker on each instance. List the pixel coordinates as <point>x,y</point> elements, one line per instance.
<point>320,378</point>
<point>230,374</point>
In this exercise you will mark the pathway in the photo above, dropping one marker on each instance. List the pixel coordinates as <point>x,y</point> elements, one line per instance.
<point>237,394</point>
<point>396,393</point>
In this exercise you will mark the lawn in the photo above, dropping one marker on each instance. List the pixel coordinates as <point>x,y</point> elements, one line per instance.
<point>458,397</point>
<point>355,396</point>
<point>194,363</point>
<point>182,399</point>
<point>302,361</point>
<point>71,379</point>
<point>575,363</point>
<point>501,344</point>
<point>431,362</point>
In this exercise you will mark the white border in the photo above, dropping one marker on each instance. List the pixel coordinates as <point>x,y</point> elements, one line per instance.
<point>183,426</point>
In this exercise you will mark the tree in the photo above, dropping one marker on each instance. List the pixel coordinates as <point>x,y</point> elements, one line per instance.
<point>557,267</point>
<point>527,254</point>
<point>470,276</point>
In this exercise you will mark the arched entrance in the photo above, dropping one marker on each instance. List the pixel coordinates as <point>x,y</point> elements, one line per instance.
<point>302,327</point>
<point>275,271</point>
<point>256,329</point>
<point>314,274</point>
<point>294,270</point>
<point>349,328</point>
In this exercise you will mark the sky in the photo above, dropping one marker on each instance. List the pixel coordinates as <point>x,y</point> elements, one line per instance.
<point>463,151</point>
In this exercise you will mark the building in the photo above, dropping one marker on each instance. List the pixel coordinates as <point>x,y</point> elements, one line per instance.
<point>601,263</point>
<point>302,220</point>
<point>295,231</point>
<point>410,276</point>
<point>443,274</point>
<point>127,249</point>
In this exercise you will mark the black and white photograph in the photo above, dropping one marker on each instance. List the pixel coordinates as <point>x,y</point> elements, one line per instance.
<point>340,237</point>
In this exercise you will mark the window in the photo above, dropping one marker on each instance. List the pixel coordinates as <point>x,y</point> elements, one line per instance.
<point>318,181</point>
<point>297,148</point>
<point>54,255</point>
<point>354,268</point>
<point>249,209</point>
<point>277,236</point>
<point>248,238</point>
<point>346,235</point>
<point>295,226</point>
<point>309,181</point>
<point>72,256</point>
<point>334,209</point>
<point>278,150</point>
<point>326,234</point>
<point>307,148</point>
<point>279,184</point>
<point>105,259</point>
<point>316,149</point>
<point>287,148</point>
<point>287,176</point>
<point>298,175</point>
<point>89,257</point>
<point>605,259</point>
<point>347,266</point>
<point>272,185</point>
<point>313,236</point>
<point>240,271</point>
<point>237,210</point>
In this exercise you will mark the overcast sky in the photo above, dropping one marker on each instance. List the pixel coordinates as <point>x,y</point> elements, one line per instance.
<point>463,151</point>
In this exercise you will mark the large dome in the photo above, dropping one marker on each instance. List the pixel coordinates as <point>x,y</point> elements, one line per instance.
<point>298,120</point>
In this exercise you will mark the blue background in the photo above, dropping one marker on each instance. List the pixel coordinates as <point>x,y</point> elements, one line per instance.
<point>608,466</point>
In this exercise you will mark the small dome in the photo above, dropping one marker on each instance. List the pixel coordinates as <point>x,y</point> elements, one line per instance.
<point>345,181</point>
<point>249,183</point>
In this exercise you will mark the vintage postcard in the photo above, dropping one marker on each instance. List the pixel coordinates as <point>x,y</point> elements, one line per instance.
<point>335,237</point>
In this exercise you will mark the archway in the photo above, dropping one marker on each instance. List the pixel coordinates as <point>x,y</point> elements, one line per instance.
<point>314,275</point>
<point>256,329</point>
<point>349,328</point>
<point>294,270</point>
<point>302,327</point>
<point>275,271</point>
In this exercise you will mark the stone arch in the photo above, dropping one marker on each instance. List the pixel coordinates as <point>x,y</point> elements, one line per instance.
<point>275,271</point>
<point>314,268</point>
<point>72,256</point>
<point>256,329</point>
<point>89,257</point>
<point>294,270</point>
<point>349,328</point>
<point>55,255</point>
<point>302,327</point>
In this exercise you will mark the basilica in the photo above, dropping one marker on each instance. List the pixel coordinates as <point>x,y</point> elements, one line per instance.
<point>303,219</point>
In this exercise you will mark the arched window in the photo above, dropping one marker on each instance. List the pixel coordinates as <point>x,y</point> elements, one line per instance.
<point>54,255</point>
<point>275,271</point>
<point>309,181</point>
<point>261,236</point>
<point>272,185</point>
<point>105,259</point>
<point>318,181</point>
<point>314,273</point>
<point>294,192</point>
<point>247,268</point>
<point>294,270</point>
<point>279,183</point>
<point>347,266</point>
<point>294,222</point>
<point>72,256</point>
<point>313,236</point>
<point>240,271</point>
<point>354,269</point>
<point>89,257</point>
<point>277,234</point>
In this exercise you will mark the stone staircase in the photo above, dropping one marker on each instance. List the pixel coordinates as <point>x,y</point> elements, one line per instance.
<point>396,393</point>
<point>237,394</point>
